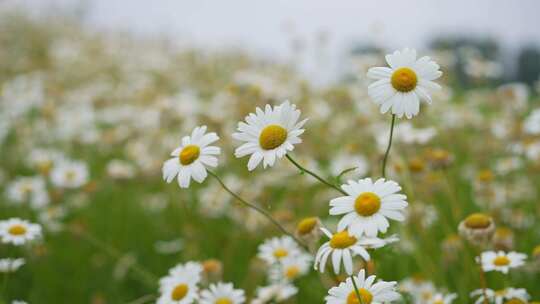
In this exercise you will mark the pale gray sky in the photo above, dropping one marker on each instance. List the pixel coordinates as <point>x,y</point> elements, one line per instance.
<point>267,26</point>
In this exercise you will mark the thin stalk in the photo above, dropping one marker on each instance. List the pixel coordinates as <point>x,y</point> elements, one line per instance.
<point>385,159</point>
<point>256,208</point>
<point>145,275</point>
<point>483,284</point>
<point>356,290</point>
<point>322,180</point>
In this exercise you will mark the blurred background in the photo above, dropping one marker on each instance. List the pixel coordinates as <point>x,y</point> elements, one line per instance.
<point>104,90</point>
<point>317,35</point>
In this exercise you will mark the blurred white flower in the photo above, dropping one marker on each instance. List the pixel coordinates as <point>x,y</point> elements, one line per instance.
<point>277,248</point>
<point>28,189</point>
<point>278,292</point>
<point>370,291</point>
<point>70,174</point>
<point>222,293</point>
<point>11,265</point>
<point>19,232</point>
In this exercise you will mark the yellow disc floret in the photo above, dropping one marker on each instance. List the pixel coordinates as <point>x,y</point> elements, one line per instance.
<point>342,240</point>
<point>272,137</point>
<point>367,204</point>
<point>292,272</point>
<point>179,292</point>
<point>306,225</point>
<point>366,296</point>
<point>501,261</point>
<point>478,221</point>
<point>17,230</point>
<point>404,79</point>
<point>280,253</point>
<point>189,154</point>
<point>224,301</point>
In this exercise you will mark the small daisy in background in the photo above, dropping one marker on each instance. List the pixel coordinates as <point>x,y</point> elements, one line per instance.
<point>19,232</point>
<point>222,293</point>
<point>278,248</point>
<point>69,174</point>
<point>274,293</point>
<point>367,206</point>
<point>192,157</point>
<point>180,286</point>
<point>291,268</point>
<point>517,295</point>
<point>31,190</point>
<point>370,292</point>
<point>11,265</point>
<point>440,298</point>
<point>501,261</point>
<point>269,134</point>
<point>401,86</point>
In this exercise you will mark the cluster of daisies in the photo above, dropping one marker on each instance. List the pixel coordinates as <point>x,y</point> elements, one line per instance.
<point>182,286</point>
<point>366,205</point>
<point>19,233</point>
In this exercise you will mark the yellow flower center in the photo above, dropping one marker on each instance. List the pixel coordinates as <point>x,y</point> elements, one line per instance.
<point>342,240</point>
<point>272,137</point>
<point>404,79</point>
<point>224,301</point>
<point>280,253</point>
<point>438,301</point>
<point>189,154</point>
<point>366,296</point>
<point>292,272</point>
<point>514,301</point>
<point>485,176</point>
<point>501,261</point>
<point>306,225</point>
<point>367,204</point>
<point>478,221</point>
<point>179,292</point>
<point>17,230</point>
<point>70,175</point>
<point>500,293</point>
<point>536,251</point>
<point>416,165</point>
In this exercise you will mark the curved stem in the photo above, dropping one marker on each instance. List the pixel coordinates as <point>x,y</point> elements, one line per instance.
<point>322,180</point>
<point>256,208</point>
<point>146,275</point>
<point>356,290</point>
<point>385,159</point>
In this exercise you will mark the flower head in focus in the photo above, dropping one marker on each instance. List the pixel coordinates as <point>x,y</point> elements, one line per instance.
<point>401,86</point>
<point>370,292</point>
<point>192,157</point>
<point>368,205</point>
<point>269,134</point>
<point>501,261</point>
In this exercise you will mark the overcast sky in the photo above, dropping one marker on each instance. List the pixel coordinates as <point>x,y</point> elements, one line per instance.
<point>268,26</point>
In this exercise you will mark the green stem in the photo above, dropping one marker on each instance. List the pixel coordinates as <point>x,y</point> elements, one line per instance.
<point>322,180</point>
<point>257,209</point>
<point>356,290</point>
<point>145,275</point>
<point>385,159</point>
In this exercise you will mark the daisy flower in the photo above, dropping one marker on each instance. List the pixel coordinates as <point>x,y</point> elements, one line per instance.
<point>192,157</point>
<point>278,292</point>
<point>402,85</point>
<point>18,232</point>
<point>269,134</point>
<point>378,293</point>
<point>342,246</point>
<point>69,174</point>
<point>367,206</point>
<point>501,296</point>
<point>11,265</point>
<point>276,249</point>
<point>28,189</point>
<point>440,298</point>
<point>291,268</point>
<point>222,293</point>
<point>180,285</point>
<point>501,261</point>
